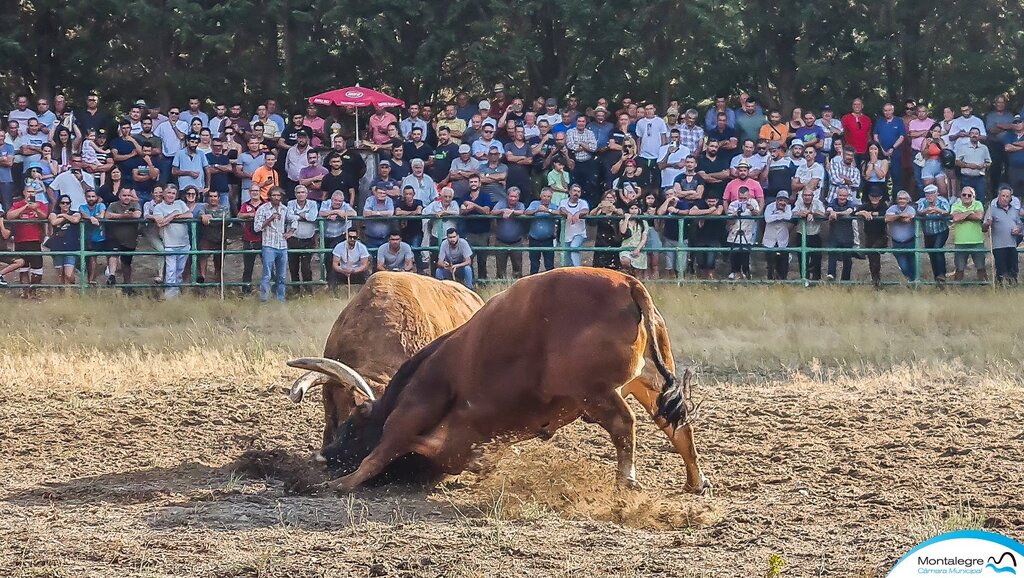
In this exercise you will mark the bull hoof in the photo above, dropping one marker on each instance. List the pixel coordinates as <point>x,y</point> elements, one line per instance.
<point>340,486</point>
<point>630,484</point>
<point>704,487</point>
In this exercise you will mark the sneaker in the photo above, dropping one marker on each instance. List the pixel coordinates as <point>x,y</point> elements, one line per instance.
<point>111,281</point>
<point>830,277</point>
<point>732,276</point>
<point>3,282</point>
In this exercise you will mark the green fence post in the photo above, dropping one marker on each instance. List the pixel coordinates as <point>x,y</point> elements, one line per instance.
<point>561,242</point>
<point>803,250</point>
<point>918,245</point>
<point>83,281</point>
<point>322,231</point>
<point>193,247</point>
<point>680,257</point>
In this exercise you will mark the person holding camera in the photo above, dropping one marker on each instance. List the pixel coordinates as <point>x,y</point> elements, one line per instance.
<point>742,232</point>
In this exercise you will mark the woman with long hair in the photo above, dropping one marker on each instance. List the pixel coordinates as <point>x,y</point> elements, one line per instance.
<point>650,208</point>
<point>634,238</point>
<point>63,147</point>
<point>65,221</point>
<point>111,190</point>
<point>196,126</point>
<point>876,171</point>
<point>931,153</point>
<point>796,120</point>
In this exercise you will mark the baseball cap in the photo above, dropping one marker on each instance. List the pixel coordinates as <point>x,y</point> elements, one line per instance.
<point>494,149</point>
<point>193,136</point>
<point>782,195</point>
<point>1018,118</point>
<point>383,162</point>
<point>796,143</point>
<point>141,103</point>
<point>826,107</point>
<point>465,148</point>
<point>499,87</point>
<point>484,105</point>
<point>743,165</point>
<point>672,112</point>
<point>774,146</point>
<point>101,132</point>
<point>878,192</point>
<point>551,102</point>
<point>600,109</point>
<point>930,189</point>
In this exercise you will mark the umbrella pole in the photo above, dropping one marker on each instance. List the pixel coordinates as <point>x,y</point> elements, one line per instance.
<point>357,128</point>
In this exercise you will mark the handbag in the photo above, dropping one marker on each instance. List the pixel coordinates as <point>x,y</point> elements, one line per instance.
<point>919,159</point>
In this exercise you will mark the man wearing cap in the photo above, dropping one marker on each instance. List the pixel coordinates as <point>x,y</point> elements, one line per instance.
<point>831,126</point>
<point>550,112</point>
<point>900,218</point>
<point>973,159</point>
<point>1014,148</point>
<point>749,120</point>
<point>413,120</point>
<point>934,209</point>
<point>493,175</point>
<point>781,171</point>
<point>777,216</point>
<point>873,213</point>
<point>672,118</point>
<point>486,118</point>
<point>462,168</point>
<point>743,179</point>
<point>498,102</point>
<point>189,165</point>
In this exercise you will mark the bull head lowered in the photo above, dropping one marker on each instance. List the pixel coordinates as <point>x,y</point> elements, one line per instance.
<point>583,338</point>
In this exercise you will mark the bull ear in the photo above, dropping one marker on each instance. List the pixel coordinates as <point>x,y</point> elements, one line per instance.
<point>364,409</point>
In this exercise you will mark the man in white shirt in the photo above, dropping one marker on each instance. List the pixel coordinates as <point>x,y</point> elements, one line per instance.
<point>653,134</point>
<point>169,216</point>
<point>172,138</point>
<point>960,128</point>
<point>351,259</point>
<point>574,209</point>
<point>672,160</point>
<point>755,162</point>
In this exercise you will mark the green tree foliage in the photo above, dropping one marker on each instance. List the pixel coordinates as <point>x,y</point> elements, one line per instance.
<point>789,52</point>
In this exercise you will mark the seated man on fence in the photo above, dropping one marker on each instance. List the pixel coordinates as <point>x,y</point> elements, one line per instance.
<point>351,259</point>
<point>454,259</point>
<point>900,218</point>
<point>395,255</point>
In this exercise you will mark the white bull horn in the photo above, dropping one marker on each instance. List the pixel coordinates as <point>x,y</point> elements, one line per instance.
<point>335,370</point>
<point>303,384</point>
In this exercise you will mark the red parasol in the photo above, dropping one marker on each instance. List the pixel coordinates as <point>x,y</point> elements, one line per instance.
<point>356,96</point>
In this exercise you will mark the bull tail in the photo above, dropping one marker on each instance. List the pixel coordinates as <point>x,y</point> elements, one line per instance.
<point>672,401</point>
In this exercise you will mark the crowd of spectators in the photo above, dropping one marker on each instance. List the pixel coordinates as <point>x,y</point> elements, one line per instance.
<point>508,174</point>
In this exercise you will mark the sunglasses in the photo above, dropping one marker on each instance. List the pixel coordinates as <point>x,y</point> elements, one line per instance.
<point>966,195</point>
<point>353,238</point>
<point>65,202</point>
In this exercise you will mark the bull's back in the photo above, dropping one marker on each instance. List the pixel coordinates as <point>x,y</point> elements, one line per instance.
<point>392,317</point>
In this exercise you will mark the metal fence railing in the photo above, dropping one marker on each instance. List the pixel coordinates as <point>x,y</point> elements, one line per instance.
<point>800,251</point>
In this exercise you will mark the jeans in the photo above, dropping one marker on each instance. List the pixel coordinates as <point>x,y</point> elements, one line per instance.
<point>906,261</point>
<point>535,256</point>
<point>977,182</point>
<point>465,274</point>
<point>846,257</point>
<point>575,257</point>
<point>6,195</point>
<point>174,266</point>
<point>937,260</point>
<point>705,260</point>
<point>1006,262</point>
<point>670,256</point>
<point>896,170</point>
<point>503,258</point>
<point>275,264</point>
<point>248,264</point>
<point>300,264</point>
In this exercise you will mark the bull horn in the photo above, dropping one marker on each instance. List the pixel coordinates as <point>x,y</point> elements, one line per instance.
<point>335,370</point>
<point>303,384</point>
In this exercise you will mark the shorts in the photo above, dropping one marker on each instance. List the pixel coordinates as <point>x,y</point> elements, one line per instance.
<point>126,252</point>
<point>932,169</point>
<point>65,261</point>
<point>34,262</point>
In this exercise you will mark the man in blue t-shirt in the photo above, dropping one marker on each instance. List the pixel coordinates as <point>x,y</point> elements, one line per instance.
<point>543,230</point>
<point>890,132</point>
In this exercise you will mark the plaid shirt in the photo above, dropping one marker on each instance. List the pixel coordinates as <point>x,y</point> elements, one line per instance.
<point>840,171</point>
<point>934,224</point>
<point>691,138</point>
<point>273,231</point>
<point>573,140</point>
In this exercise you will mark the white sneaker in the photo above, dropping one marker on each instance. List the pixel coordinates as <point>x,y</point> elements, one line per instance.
<point>732,276</point>
<point>830,277</point>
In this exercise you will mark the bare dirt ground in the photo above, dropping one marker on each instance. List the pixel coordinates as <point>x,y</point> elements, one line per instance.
<point>840,427</point>
<point>838,476</point>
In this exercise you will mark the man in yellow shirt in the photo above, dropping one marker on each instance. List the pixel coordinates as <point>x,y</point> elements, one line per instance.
<point>456,126</point>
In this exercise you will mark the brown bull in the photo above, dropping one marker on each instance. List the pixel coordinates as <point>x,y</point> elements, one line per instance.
<point>550,349</point>
<point>390,319</point>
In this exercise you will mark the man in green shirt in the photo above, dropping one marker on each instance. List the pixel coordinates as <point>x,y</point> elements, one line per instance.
<point>968,238</point>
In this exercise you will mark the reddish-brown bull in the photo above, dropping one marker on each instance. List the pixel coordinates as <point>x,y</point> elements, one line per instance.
<point>392,317</point>
<point>550,349</point>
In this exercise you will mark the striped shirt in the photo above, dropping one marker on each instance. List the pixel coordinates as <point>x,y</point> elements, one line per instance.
<point>840,171</point>
<point>273,231</point>
<point>574,138</point>
<point>691,138</point>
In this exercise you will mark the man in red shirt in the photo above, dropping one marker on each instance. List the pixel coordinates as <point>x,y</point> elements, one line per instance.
<point>28,238</point>
<point>251,240</point>
<point>857,130</point>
